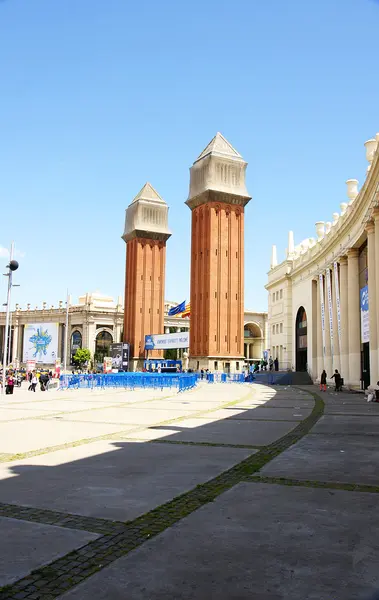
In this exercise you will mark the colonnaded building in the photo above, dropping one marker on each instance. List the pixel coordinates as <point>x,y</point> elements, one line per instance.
<point>324,297</point>
<point>96,321</point>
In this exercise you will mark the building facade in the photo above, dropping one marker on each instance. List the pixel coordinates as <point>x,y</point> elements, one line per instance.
<point>97,321</point>
<point>217,199</point>
<point>324,297</point>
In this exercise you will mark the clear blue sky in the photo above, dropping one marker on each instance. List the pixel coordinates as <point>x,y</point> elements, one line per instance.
<point>98,97</point>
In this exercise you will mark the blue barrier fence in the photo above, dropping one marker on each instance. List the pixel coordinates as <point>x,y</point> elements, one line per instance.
<point>224,377</point>
<point>180,381</point>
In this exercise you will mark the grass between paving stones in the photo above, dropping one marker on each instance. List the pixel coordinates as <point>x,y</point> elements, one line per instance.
<point>332,485</point>
<point>118,434</point>
<point>210,444</point>
<point>62,574</point>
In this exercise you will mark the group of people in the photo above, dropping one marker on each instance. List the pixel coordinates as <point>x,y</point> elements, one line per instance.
<point>263,364</point>
<point>44,379</point>
<point>338,381</point>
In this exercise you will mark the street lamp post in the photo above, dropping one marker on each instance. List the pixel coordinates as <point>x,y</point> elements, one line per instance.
<point>12,266</point>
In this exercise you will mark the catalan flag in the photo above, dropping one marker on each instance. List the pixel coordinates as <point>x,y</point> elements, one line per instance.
<point>187,311</point>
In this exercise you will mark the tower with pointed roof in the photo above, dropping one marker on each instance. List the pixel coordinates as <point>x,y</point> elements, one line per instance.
<point>217,199</point>
<point>146,232</point>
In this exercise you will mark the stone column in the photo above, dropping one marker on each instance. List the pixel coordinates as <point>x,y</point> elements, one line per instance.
<point>344,350</point>
<point>376,275</point>
<point>336,341</point>
<point>354,318</point>
<point>371,245</point>
<point>328,356</point>
<point>15,353</point>
<point>320,355</point>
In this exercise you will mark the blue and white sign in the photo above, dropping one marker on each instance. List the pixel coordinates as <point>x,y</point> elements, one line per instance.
<point>167,340</point>
<point>365,315</point>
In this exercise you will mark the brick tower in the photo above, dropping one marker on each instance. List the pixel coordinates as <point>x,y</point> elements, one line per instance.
<point>146,233</point>
<point>217,198</point>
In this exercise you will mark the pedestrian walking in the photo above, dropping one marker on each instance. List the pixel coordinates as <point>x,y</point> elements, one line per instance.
<point>323,381</point>
<point>10,384</point>
<point>33,382</point>
<point>337,380</point>
<point>276,364</point>
<point>270,363</point>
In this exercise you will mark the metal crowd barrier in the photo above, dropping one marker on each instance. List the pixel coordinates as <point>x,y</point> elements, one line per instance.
<point>180,381</point>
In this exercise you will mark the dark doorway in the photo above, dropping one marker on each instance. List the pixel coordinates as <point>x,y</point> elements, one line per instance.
<point>365,365</point>
<point>301,340</point>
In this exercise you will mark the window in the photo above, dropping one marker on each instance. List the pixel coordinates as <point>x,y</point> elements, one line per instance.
<point>281,327</point>
<point>273,329</point>
<point>273,297</point>
<point>277,295</point>
<point>281,294</point>
<point>277,328</point>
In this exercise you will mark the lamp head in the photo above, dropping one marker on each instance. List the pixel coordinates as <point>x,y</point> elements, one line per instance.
<point>13,265</point>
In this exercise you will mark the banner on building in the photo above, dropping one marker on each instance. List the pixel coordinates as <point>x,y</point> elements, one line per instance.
<point>338,303</point>
<point>41,342</point>
<point>365,315</point>
<point>30,365</point>
<point>168,340</point>
<point>322,304</point>
<point>120,356</point>
<point>330,311</point>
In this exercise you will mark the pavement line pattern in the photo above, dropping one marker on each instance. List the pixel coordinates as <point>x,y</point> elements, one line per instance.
<point>46,583</point>
<point>116,435</point>
<point>210,444</point>
<point>60,519</point>
<point>332,485</point>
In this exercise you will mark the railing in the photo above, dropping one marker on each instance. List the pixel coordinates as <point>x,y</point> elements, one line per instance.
<point>180,381</point>
<point>224,377</point>
<point>187,381</point>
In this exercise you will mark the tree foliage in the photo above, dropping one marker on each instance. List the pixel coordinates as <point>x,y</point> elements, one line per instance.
<point>81,357</point>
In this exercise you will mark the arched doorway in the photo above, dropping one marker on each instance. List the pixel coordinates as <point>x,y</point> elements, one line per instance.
<point>76,343</point>
<point>102,346</point>
<point>253,338</point>
<point>301,340</point>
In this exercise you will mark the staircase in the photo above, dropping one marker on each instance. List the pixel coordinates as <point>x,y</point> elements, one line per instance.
<point>283,378</point>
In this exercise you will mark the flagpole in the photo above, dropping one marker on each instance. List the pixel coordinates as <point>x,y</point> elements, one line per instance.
<point>12,266</point>
<point>66,338</point>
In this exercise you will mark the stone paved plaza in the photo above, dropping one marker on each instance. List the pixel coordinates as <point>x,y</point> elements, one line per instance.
<point>226,491</point>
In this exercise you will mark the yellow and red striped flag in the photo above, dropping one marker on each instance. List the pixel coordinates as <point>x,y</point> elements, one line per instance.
<point>187,311</point>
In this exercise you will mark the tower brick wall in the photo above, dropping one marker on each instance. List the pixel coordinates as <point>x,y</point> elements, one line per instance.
<point>144,293</point>
<point>146,232</point>
<point>217,199</point>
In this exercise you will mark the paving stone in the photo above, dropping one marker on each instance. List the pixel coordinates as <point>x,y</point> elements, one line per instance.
<point>346,425</point>
<point>118,485</point>
<point>257,542</point>
<point>27,546</point>
<point>344,458</point>
<point>255,433</point>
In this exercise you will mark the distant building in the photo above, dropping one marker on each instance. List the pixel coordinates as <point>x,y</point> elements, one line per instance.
<point>96,321</point>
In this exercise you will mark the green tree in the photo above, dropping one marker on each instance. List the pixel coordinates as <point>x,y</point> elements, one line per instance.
<point>170,354</point>
<point>81,357</point>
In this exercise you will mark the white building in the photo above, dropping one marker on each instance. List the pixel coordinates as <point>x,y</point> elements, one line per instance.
<point>318,317</point>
